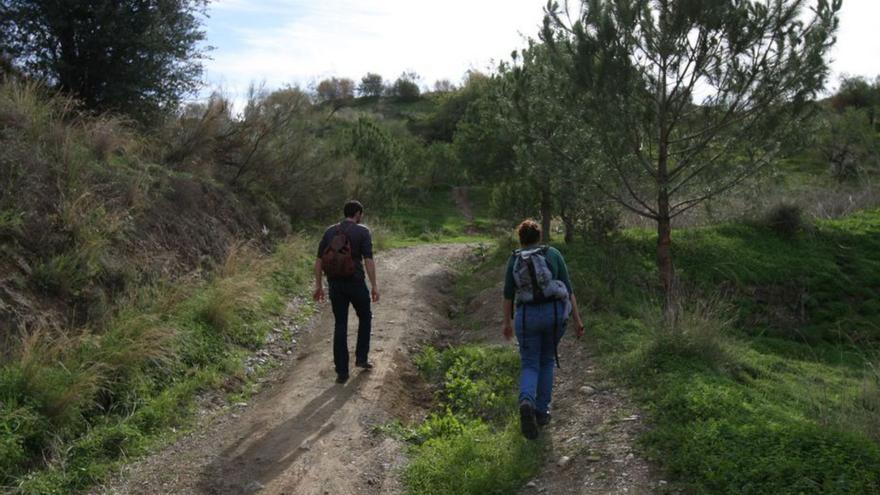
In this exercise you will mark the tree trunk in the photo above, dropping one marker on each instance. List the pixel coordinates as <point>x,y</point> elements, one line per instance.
<point>569,229</point>
<point>666,268</point>
<point>546,215</point>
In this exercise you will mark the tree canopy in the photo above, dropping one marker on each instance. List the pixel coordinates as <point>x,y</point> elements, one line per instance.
<point>689,97</point>
<point>138,57</point>
<point>371,85</point>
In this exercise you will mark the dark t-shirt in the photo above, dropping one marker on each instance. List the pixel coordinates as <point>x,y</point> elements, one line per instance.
<point>361,243</point>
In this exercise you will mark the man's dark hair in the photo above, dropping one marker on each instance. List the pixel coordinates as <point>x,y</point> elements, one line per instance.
<point>352,208</point>
<point>529,232</point>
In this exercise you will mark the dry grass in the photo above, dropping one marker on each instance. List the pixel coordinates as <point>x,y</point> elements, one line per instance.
<point>110,136</point>
<point>819,202</point>
<point>52,373</point>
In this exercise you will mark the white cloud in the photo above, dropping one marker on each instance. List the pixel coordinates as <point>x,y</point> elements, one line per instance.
<point>301,41</point>
<point>308,41</point>
<point>857,51</point>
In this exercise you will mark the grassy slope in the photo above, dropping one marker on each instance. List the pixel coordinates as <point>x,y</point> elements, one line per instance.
<point>433,216</point>
<point>72,408</point>
<point>771,383</point>
<point>743,400</point>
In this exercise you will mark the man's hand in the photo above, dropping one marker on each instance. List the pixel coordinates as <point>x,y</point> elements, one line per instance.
<point>375,294</point>
<point>318,296</point>
<point>508,330</point>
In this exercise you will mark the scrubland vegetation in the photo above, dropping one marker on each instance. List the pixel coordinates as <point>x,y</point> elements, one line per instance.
<point>147,249</point>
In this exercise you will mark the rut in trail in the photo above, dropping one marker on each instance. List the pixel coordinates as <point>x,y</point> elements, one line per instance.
<point>306,434</point>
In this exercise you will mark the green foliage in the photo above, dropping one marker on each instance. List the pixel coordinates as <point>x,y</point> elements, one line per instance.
<point>433,216</point>
<point>744,394</point>
<point>477,381</point>
<point>482,139</point>
<point>472,445</point>
<point>856,93</point>
<point>71,406</point>
<point>87,50</point>
<point>382,162</point>
<point>476,461</point>
<point>267,156</point>
<point>515,199</point>
<point>334,89</point>
<point>10,223</point>
<point>442,124</point>
<point>405,88</point>
<point>734,405</point>
<point>661,146</point>
<point>371,85</point>
<point>848,142</point>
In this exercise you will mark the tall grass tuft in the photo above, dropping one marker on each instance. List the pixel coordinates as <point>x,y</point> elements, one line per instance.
<point>698,336</point>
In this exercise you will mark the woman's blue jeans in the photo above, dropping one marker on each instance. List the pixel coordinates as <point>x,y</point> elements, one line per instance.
<point>534,325</point>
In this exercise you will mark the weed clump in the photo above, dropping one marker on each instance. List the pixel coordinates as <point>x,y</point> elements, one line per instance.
<point>472,444</point>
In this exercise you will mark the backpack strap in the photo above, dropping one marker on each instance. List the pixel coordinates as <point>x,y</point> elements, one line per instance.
<point>556,333</point>
<point>343,231</point>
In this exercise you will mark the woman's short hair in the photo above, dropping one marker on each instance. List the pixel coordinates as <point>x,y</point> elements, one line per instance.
<point>529,232</point>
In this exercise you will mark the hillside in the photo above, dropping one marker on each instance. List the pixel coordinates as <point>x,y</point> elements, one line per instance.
<point>159,330</point>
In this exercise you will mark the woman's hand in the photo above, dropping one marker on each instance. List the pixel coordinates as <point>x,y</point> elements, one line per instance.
<point>508,330</point>
<point>579,328</point>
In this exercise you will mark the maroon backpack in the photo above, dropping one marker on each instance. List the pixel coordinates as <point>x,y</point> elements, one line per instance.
<point>336,260</point>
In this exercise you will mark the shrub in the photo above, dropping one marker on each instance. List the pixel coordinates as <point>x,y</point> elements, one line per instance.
<point>786,219</point>
<point>405,89</point>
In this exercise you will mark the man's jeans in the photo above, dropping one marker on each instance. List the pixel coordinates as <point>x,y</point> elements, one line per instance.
<point>342,293</point>
<point>534,325</point>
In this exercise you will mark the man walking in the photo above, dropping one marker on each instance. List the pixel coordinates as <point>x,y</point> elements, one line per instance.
<point>344,252</point>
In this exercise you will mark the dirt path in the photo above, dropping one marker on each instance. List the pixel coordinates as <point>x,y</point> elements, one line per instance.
<point>305,434</point>
<point>595,427</point>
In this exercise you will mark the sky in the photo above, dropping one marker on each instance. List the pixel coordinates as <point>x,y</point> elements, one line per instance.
<point>274,43</point>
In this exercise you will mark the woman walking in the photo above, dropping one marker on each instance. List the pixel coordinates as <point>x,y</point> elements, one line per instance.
<point>538,287</point>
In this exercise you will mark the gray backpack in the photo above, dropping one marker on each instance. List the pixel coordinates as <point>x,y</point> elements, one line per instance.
<point>533,279</point>
<point>535,284</point>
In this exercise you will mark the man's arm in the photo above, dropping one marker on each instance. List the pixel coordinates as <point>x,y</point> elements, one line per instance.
<point>318,296</point>
<point>371,272</point>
